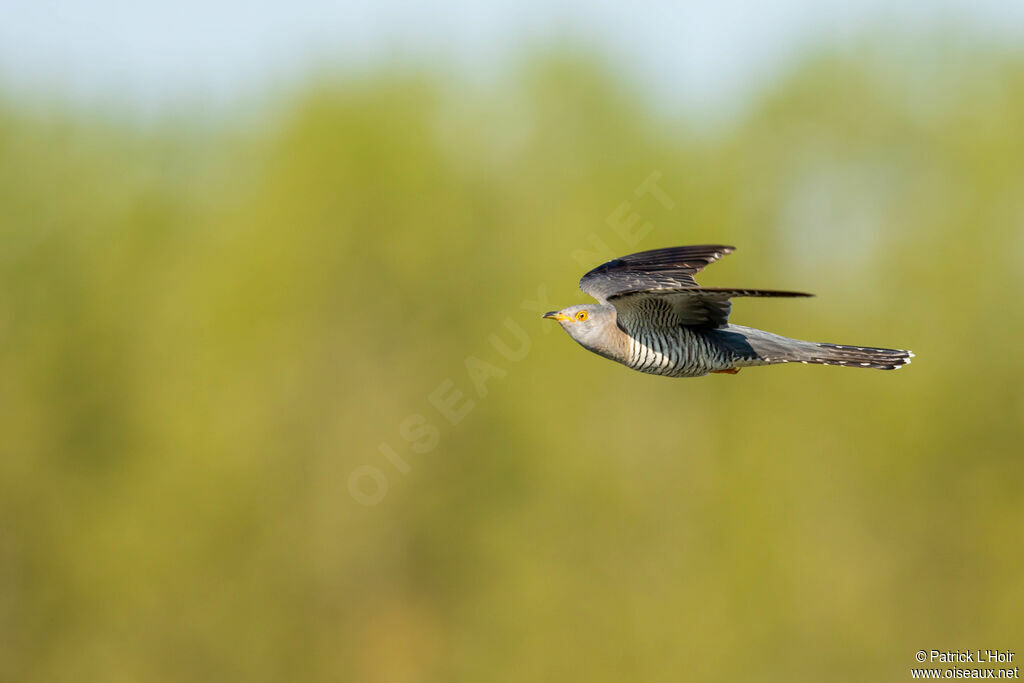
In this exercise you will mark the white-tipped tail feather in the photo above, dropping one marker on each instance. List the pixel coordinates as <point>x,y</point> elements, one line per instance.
<point>857,357</point>
<point>773,349</point>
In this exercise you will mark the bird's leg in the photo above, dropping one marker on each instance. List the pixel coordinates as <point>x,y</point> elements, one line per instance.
<point>730,371</point>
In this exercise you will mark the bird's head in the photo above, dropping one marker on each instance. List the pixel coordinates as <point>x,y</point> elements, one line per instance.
<point>588,324</point>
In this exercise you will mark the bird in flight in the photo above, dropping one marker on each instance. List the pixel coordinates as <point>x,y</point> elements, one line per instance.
<point>653,317</point>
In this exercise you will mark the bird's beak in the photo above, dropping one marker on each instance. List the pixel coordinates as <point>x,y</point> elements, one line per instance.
<point>555,315</point>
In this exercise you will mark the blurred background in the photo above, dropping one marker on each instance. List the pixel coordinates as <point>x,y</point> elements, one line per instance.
<point>277,403</point>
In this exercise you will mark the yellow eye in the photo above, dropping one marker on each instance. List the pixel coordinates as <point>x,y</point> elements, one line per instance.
<point>581,316</point>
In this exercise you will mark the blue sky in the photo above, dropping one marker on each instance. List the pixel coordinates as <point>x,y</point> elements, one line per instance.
<point>152,54</point>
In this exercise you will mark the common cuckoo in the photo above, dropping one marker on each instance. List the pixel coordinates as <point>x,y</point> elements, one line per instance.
<point>652,316</point>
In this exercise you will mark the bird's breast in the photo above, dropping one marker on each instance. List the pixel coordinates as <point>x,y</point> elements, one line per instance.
<point>673,352</point>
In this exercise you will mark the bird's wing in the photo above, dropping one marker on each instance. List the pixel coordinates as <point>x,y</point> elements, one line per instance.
<point>671,268</point>
<point>693,306</point>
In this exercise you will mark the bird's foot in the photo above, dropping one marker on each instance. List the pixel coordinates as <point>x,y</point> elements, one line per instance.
<point>730,371</point>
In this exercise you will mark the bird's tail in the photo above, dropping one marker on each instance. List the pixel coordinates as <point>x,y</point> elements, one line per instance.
<point>771,349</point>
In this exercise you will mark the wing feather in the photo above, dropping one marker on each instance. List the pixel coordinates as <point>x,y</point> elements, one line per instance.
<point>659,285</point>
<point>692,306</point>
<point>670,268</point>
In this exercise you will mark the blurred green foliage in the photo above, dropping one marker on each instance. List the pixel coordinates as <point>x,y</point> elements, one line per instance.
<point>205,332</point>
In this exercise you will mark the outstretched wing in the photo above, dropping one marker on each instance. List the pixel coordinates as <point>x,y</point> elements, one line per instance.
<point>657,287</point>
<point>670,268</point>
<point>694,306</point>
